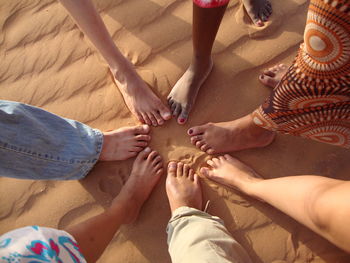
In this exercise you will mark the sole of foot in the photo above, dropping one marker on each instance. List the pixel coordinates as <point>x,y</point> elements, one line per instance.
<point>139,98</point>
<point>230,136</point>
<point>259,11</point>
<point>145,174</point>
<point>124,143</point>
<point>231,172</point>
<point>183,187</point>
<point>272,76</point>
<point>183,95</point>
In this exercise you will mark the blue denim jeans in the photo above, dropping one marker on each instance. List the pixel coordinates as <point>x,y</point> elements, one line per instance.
<point>36,144</point>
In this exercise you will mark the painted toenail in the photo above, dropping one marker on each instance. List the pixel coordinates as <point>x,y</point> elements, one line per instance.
<point>181,120</point>
<point>190,131</point>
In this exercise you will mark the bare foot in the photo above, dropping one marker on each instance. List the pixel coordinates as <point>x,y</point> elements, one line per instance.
<point>183,95</point>
<point>146,172</point>
<point>231,172</point>
<point>139,98</point>
<point>124,143</point>
<point>272,76</point>
<point>230,136</point>
<point>183,187</point>
<point>258,10</point>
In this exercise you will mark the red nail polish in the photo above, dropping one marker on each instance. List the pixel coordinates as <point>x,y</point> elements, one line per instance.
<point>181,120</point>
<point>190,131</point>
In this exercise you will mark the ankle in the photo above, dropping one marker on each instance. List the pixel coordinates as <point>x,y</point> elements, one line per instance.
<point>123,71</point>
<point>201,61</point>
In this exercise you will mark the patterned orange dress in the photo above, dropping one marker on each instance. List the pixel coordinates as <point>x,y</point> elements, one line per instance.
<point>313,98</point>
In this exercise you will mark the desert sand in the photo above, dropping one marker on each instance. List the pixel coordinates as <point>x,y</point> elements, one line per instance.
<point>47,61</point>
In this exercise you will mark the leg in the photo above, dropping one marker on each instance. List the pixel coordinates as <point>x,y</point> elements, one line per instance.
<point>94,234</point>
<point>36,144</point>
<point>319,203</point>
<point>206,22</point>
<point>193,235</point>
<point>312,100</point>
<point>141,101</point>
<point>86,241</point>
<point>230,136</point>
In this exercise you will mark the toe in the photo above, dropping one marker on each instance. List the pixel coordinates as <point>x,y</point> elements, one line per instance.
<point>164,112</point>
<point>136,149</point>
<point>140,117</point>
<point>141,143</point>
<point>205,171</point>
<point>195,130</point>
<point>199,144</point>
<point>267,81</point>
<point>179,170</point>
<point>196,138</point>
<point>269,72</point>
<point>172,167</point>
<point>183,117</point>
<point>210,151</point>
<point>153,119</point>
<point>143,154</point>
<point>159,118</point>
<point>160,172</point>
<point>177,109</point>
<point>191,174</point>
<point>186,170</point>
<point>152,155</point>
<point>145,138</point>
<point>142,129</point>
<point>228,157</point>
<point>146,119</point>
<point>216,161</point>
<point>157,160</point>
<point>205,147</point>
<point>211,163</point>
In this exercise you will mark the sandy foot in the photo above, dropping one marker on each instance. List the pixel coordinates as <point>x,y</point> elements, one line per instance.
<point>183,187</point>
<point>124,143</point>
<point>231,172</point>
<point>146,172</point>
<point>140,99</point>
<point>230,136</point>
<point>258,10</point>
<point>183,96</point>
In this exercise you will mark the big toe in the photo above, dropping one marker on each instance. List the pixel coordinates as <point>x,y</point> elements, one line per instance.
<point>195,130</point>
<point>206,172</point>
<point>183,117</point>
<point>142,129</point>
<point>143,154</point>
<point>172,169</point>
<point>164,112</point>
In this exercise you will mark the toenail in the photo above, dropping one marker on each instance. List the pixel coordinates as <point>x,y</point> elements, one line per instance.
<point>181,120</point>
<point>147,149</point>
<point>190,131</point>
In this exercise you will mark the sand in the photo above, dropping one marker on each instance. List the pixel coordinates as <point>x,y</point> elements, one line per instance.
<point>46,61</point>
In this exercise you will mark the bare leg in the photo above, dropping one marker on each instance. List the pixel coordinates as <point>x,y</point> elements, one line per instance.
<point>272,76</point>
<point>206,22</point>
<point>258,10</point>
<point>94,234</point>
<point>124,143</point>
<point>230,136</point>
<point>141,101</point>
<point>319,203</point>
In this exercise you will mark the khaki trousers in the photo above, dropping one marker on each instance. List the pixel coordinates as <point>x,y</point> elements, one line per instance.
<point>195,236</point>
